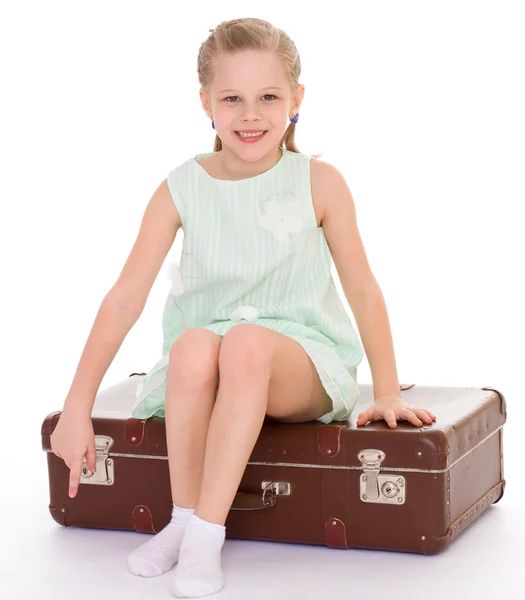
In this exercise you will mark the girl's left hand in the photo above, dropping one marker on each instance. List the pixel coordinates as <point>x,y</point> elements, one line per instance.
<point>393,408</point>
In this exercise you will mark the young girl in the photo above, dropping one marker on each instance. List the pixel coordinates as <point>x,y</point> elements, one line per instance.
<point>253,325</point>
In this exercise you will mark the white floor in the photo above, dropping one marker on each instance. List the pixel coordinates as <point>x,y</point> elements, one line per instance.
<point>41,560</point>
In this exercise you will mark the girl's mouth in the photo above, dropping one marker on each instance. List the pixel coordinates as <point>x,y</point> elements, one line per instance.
<point>251,139</point>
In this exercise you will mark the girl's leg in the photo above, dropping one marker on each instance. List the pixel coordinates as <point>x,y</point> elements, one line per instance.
<point>191,388</point>
<point>193,379</point>
<point>245,369</point>
<point>262,372</point>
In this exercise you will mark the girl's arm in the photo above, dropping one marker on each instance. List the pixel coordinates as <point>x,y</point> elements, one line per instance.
<point>125,301</point>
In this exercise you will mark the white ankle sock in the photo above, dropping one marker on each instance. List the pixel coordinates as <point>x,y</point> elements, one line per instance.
<point>199,571</point>
<point>161,552</point>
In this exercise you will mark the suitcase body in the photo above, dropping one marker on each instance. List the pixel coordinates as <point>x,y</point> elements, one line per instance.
<point>410,489</point>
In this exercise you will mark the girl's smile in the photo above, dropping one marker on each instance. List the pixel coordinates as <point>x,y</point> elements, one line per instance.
<point>250,138</point>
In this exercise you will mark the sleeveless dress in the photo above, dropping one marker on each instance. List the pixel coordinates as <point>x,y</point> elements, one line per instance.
<point>252,252</point>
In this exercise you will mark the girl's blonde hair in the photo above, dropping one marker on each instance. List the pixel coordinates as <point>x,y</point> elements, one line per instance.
<point>250,34</point>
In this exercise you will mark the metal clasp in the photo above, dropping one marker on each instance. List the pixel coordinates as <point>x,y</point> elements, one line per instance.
<point>376,487</point>
<point>279,488</point>
<point>105,473</point>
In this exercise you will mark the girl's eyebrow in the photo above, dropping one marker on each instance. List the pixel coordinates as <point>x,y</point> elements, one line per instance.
<point>271,87</point>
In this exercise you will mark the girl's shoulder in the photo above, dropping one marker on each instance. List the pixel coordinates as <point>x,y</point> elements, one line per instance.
<point>210,163</point>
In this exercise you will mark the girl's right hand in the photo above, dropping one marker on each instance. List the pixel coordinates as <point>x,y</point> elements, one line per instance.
<point>72,440</point>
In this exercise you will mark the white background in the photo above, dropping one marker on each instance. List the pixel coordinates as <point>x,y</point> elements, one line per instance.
<point>418,104</point>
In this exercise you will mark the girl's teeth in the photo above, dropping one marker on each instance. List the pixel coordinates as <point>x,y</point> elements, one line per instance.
<point>250,134</point>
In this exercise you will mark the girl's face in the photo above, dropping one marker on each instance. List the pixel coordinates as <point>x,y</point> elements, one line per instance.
<point>250,90</point>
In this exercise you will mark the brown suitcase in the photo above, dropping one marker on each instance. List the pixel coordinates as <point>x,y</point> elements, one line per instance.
<point>410,489</point>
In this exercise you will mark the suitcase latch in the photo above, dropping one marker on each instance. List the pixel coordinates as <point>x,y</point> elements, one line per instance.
<point>279,488</point>
<point>105,473</point>
<point>376,487</point>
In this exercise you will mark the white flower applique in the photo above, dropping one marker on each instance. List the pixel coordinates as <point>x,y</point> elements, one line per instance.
<point>177,287</point>
<point>247,312</point>
<point>194,270</point>
<point>281,216</point>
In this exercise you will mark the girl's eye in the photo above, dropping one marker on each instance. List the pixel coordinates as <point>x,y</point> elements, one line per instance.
<point>265,95</point>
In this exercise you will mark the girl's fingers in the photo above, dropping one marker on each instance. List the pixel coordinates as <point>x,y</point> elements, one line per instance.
<point>365,417</point>
<point>421,413</point>
<point>416,416</point>
<point>412,417</point>
<point>390,418</point>
<point>424,415</point>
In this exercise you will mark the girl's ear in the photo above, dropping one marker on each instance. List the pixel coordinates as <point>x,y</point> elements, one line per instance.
<point>205,103</point>
<point>298,98</point>
<point>300,93</point>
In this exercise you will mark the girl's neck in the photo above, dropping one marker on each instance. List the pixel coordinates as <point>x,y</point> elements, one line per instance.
<point>232,167</point>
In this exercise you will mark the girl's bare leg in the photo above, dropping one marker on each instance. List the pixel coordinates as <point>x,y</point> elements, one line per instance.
<point>238,415</point>
<point>191,388</point>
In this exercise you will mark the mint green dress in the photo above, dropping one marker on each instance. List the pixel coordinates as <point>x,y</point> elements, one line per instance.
<point>252,252</point>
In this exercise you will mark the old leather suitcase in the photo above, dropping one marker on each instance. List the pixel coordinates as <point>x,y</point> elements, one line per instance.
<point>408,489</point>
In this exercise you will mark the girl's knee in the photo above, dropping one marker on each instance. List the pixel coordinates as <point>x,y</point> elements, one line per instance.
<point>194,357</point>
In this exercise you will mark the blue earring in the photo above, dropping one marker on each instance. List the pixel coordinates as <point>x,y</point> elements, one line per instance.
<point>294,119</point>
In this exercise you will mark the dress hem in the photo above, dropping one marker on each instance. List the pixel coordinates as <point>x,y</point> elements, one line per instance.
<point>341,409</point>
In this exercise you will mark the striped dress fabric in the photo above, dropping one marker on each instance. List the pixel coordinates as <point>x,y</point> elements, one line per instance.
<point>252,253</point>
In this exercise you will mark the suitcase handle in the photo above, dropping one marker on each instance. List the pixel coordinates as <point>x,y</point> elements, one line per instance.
<point>266,499</point>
